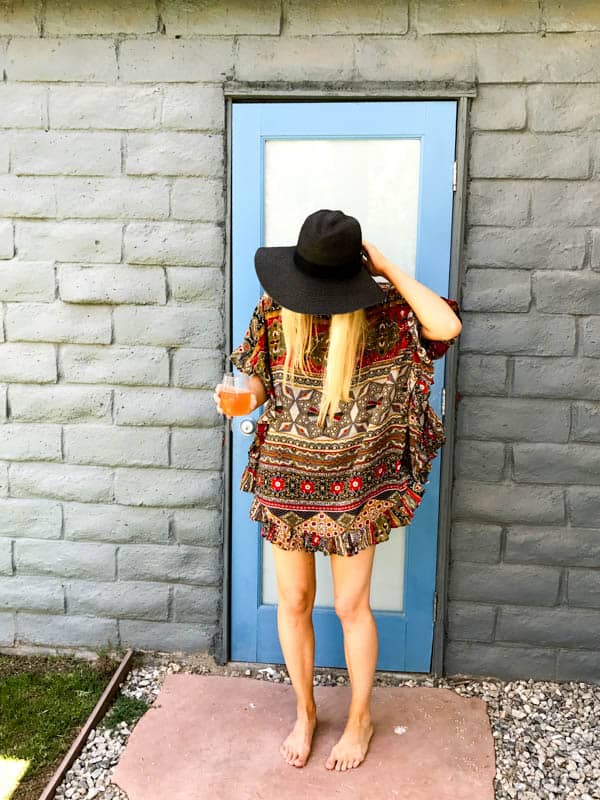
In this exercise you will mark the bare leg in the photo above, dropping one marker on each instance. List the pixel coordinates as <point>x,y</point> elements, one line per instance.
<point>296,587</point>
<point>352,586</point>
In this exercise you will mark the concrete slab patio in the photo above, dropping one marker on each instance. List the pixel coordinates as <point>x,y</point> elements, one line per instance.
<point>217,738</point>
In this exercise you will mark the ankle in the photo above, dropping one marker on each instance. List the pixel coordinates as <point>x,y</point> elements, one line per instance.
<point>306,711</point>
<point>359,719</point>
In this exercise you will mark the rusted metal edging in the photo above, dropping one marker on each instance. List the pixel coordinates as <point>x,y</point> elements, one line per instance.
<point>97,713</point>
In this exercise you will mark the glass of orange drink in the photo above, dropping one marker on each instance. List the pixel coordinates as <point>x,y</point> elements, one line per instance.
<point>235,395</point>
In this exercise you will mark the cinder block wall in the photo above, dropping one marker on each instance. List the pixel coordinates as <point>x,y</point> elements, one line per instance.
<point>111,281</point>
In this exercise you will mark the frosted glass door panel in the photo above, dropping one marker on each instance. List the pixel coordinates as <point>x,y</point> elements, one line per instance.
<point>387,584</point>
<point>376,180</point>
<point>358,176</point>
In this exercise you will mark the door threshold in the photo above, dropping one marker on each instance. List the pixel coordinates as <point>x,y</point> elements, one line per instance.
<point>237,668</point>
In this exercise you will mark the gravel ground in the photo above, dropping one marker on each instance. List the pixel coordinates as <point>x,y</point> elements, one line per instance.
<point>546,734</point>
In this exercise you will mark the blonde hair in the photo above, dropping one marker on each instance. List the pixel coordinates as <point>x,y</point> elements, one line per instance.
<point>347,336</point>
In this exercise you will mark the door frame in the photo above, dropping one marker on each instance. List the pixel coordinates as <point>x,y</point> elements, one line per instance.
<point>260,92</point>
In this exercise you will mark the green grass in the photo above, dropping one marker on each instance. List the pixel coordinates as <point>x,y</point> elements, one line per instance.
<point>44,701</point>
<point>125,709</point>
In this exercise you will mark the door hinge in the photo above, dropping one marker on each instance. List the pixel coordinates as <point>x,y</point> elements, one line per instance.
<point>454,174</point>
<point>435,606</point>
<point>443,400</point>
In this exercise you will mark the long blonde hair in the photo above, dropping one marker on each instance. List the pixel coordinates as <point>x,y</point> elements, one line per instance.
<point>347,337</point>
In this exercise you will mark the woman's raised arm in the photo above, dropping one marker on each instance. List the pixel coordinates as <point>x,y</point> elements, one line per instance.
<point>437,319</point>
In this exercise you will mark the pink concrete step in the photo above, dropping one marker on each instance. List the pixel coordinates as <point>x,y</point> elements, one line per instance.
<point>210,737</point>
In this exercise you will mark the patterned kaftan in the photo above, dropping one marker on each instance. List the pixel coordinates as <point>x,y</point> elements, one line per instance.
<point>341,488</point>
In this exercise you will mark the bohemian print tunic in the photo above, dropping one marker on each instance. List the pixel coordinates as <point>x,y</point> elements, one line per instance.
<point>342,487</point>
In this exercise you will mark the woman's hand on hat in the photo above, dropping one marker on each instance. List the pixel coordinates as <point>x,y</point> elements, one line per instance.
<point>376,262</point>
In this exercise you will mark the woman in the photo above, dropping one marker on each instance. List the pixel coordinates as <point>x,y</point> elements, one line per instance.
<point>344,446</point>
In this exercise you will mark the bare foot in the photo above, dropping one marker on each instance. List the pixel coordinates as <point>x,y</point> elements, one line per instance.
<point>352,746</point>
<point>296,747</point>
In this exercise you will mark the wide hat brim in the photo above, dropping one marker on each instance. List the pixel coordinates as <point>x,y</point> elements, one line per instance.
<point>282,280</point>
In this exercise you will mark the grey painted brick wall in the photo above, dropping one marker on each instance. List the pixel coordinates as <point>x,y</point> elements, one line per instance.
<point>112,243</point>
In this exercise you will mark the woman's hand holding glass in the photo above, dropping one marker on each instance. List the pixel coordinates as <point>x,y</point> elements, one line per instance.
<point>234,396</point>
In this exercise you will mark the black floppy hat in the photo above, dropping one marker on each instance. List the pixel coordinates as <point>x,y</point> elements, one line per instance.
<point>324,272</point>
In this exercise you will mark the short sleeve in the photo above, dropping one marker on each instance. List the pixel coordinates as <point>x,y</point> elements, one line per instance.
<point>437,348</point>
<point>252,354</point>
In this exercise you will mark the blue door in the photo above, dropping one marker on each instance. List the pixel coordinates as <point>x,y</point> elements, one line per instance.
<point>389,164</point>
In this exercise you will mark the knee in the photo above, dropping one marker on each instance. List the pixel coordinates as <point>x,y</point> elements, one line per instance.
<point>350,609</point>
<point>297,603</point>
